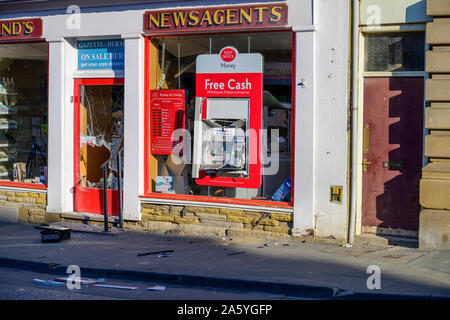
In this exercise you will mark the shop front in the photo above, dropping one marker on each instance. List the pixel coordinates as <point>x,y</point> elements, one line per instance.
<point>23,115</point>
<point>215,111</point>
<point>218,116</point>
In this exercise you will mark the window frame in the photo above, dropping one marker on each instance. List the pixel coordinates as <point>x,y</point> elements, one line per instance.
<point>368,30</point>
<point>27,185</point>
<point>147,194</point>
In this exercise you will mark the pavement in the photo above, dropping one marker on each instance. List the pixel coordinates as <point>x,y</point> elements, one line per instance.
<point>292,268</point>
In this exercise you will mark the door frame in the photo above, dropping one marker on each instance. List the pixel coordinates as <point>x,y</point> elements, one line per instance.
<point>90,195</point>
<point>360,125</point>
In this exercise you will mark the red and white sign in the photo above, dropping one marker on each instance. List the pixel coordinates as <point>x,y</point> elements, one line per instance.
<point>231,74</point>
<point>167,115</point>
<point>228,54</point>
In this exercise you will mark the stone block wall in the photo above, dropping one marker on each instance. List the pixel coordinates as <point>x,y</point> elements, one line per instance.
<point>30,205</point>
<point>434,225</point>
<point>217,221</point>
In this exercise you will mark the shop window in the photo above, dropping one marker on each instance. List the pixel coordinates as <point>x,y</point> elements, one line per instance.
<point>23,112</point>
<point>394,52</point>
<point>172,66</point>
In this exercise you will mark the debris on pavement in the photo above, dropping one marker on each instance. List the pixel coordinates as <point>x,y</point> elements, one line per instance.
<point>164,255</point>
<point>155,252</point>
<point>84,281</point>
<point>51,233</point>
<point>115,287</point>
<point>394,256</point>
<point>234,253</point>
<point>156,288</point>
<point>48,283</point>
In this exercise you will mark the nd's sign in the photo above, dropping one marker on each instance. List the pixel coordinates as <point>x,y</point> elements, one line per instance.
<point>20,29</point>
<point>100,54</point>
<point>216,18</point>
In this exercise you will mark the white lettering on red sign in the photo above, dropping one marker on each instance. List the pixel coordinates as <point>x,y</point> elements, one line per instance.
<point>228,54</point>
<point>232,84</point>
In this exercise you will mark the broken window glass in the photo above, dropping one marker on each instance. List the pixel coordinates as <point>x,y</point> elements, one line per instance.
<point>101,133</point>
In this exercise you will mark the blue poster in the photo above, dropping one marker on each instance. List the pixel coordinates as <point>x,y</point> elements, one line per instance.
<point>101,54</point>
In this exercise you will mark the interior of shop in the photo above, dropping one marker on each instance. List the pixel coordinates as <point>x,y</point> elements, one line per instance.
<point>23,112</point>
<point>172,66</point>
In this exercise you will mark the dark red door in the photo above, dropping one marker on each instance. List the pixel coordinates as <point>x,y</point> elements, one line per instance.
<point>392,152</point>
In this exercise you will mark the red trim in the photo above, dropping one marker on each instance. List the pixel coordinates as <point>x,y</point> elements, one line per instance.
<point>13,184</point>
<point>148,193</point>
<point>214,32</point>
<point>262,203</point>
<point>146,115</point>
<point>89,199</point>
<point>25,185</point>
<point>19,41</point>
<point>294,44</point>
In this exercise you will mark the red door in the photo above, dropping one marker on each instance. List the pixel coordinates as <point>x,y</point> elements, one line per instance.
<point>98,132</point>
<point>392,152</point>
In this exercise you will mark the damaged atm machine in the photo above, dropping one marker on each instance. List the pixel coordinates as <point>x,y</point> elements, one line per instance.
<point>228,123</point>
<point>228,119</point>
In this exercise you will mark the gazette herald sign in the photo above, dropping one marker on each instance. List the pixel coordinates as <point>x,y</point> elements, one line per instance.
<point>20,29</point>
<point>216,18</point>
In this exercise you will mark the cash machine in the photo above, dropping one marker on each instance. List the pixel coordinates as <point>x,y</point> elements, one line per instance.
<point>228,119</point>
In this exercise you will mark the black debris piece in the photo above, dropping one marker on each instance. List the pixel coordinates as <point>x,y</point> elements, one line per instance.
<point>51,233</point>
<point>234,253</point>
<point>154,252</point>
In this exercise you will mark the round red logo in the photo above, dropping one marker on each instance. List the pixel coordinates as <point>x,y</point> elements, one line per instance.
<point>228,54</point>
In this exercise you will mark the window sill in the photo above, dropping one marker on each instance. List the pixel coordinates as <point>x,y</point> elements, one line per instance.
<point>193,200</point>
<point>22,185</point>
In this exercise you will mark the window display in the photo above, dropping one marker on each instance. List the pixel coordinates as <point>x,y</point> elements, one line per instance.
<point>23,112</point>
<point>236,137</point>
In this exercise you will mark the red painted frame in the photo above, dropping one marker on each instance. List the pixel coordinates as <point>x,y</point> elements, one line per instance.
<point>89,199</point>
<point>26,185</point>
<point>182,197</point>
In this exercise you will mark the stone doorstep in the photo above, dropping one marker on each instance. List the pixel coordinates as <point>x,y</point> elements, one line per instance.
<point>386,240</point>
<point>88,217</point>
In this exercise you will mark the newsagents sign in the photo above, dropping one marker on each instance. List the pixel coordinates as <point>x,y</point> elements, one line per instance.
<point>270,15</point>
<point>101,54</point>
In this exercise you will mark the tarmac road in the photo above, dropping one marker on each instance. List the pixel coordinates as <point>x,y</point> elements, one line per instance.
<point>17,284</point>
